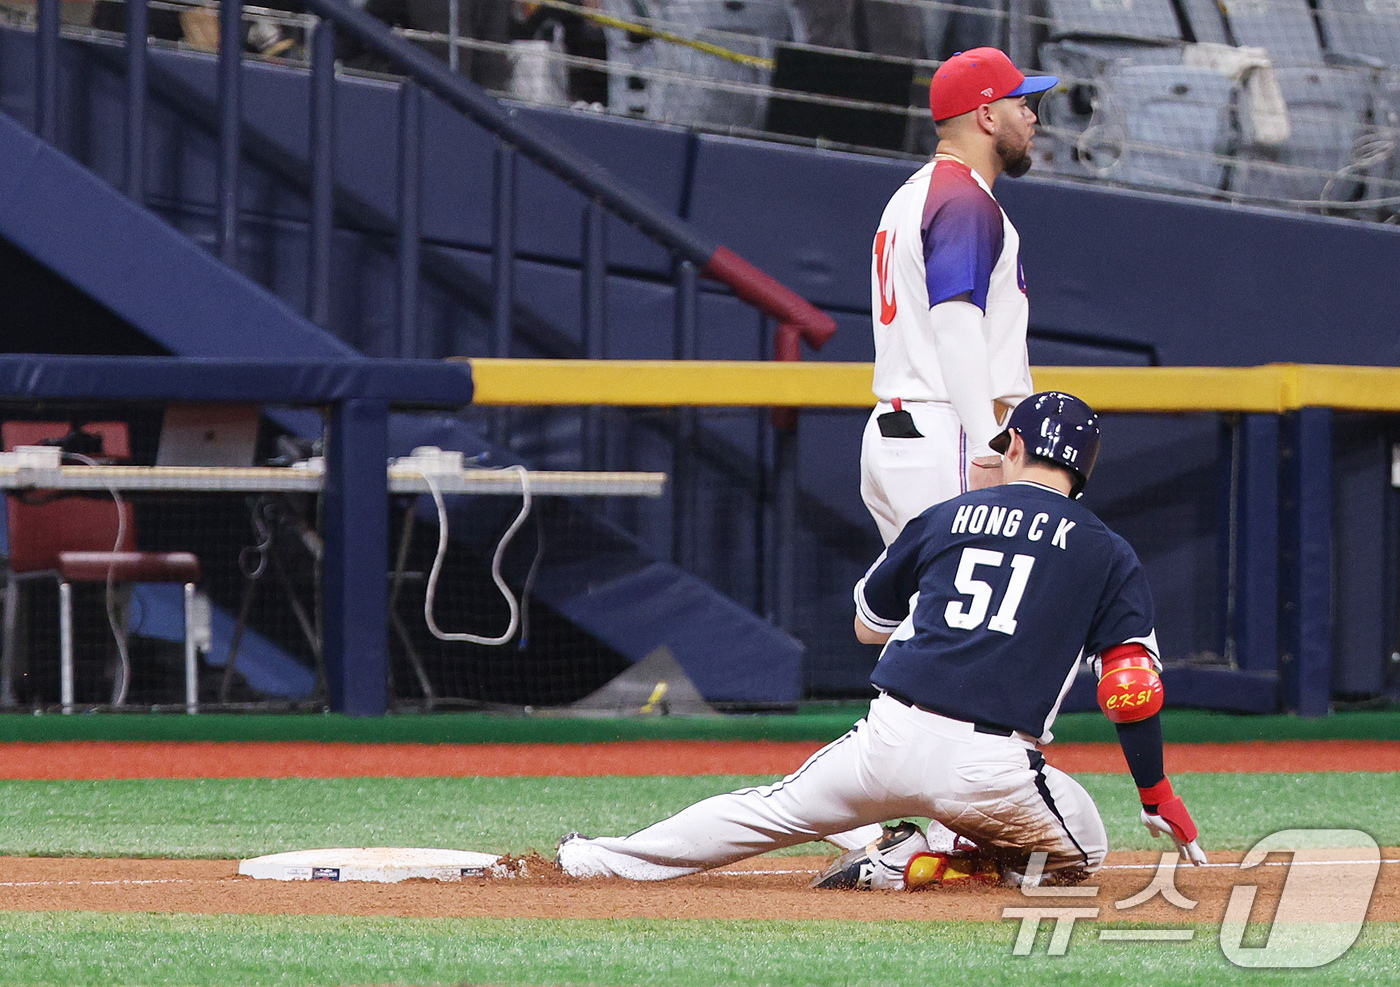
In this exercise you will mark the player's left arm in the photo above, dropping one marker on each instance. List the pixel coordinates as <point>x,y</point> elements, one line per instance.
<point>1130,694</point>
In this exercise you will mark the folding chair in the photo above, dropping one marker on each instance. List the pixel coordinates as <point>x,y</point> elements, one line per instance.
<point>74,539</point>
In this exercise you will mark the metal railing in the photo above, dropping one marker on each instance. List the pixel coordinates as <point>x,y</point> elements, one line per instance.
<point>1088,137</point>
<point>695,253</point>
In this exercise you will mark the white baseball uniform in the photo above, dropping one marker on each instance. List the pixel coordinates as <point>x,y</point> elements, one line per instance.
<point>950,314</point>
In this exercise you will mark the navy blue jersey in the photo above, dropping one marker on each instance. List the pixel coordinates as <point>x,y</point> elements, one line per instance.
<point>1009,588</point>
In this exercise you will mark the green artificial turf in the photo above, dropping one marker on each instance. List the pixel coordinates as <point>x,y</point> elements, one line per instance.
<point>812,722</point>
<point>244,817</point>
<point>195,950</point>
<point>226,818</point>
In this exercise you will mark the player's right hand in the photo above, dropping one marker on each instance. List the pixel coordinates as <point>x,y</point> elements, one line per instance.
<point>1172,819</point>
<point>985,472</point>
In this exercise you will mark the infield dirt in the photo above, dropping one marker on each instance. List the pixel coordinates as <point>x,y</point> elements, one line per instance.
<point>763,888</point>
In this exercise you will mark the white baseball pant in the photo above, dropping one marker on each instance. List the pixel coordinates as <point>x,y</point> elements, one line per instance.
<point>899,480</point>
<point>898,761</point>
<point>902,478</point>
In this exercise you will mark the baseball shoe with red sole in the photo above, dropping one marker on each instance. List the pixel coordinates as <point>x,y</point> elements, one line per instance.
<point>926,870</point>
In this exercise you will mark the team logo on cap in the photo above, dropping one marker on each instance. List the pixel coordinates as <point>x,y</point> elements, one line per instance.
<point>988,92</point>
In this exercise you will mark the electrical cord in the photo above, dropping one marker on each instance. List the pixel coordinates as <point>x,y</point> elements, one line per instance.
<point>431,593</point>
<point>530,584</point>
<point>123,656</point>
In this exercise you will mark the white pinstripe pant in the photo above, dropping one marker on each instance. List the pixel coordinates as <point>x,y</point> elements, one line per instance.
<point>898,761</point>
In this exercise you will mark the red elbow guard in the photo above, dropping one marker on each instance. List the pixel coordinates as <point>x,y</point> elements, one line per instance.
<point>1130,688</point>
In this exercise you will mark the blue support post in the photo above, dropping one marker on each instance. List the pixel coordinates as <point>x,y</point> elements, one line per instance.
<point>137,28</point>
<point>1305,561</point>
<point>785,507</point>
<point>355,587</point>
<point>685,346</point>
<point>503,254</point>
<point>318,289</point>
<point>1256,607</point>
<point>230,123</point>
<point>46,69</point>
<point>410,227</point>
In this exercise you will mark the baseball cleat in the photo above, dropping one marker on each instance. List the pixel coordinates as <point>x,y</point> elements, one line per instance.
<point>925,870</point>
<point>570,857</point>
<point>879,866</point>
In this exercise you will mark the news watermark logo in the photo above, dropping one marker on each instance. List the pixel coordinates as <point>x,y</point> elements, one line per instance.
<point>1330,878</point>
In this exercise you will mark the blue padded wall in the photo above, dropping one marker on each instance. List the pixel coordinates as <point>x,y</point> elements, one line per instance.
<point>1114,277</point>
<point>804,217</point>
<point>1206,283</point>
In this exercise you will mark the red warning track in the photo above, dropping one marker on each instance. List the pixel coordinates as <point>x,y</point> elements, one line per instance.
<point>94,760</point>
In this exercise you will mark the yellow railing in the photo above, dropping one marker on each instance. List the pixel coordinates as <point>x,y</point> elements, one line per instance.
<point>1274,388</point>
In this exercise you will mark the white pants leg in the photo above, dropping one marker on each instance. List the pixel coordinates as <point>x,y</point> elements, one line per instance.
<point>827,794</point>
<point>899,480</point>
<point>897,761</point>
<point>1003,796</point>
<point>902,478</point>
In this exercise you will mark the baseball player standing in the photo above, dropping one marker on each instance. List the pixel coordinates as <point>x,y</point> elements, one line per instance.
<point>948,298</point>
<point>986,604</point>
<point>949,308</point>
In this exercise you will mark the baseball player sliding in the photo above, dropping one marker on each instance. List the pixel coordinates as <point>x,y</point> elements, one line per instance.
<point>986,604</point>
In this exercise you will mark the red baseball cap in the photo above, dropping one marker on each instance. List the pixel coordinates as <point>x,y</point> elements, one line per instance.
<point>980,75</point>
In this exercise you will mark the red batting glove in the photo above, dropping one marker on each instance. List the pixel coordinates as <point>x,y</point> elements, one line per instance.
<point>1164,814</point>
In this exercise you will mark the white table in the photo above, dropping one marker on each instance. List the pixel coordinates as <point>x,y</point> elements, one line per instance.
<point>283,479</point>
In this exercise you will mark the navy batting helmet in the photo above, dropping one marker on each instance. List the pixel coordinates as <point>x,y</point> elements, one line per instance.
<point>1058,427</point>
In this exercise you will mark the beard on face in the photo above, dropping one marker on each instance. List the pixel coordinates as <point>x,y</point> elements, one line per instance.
<point>1015,161</point>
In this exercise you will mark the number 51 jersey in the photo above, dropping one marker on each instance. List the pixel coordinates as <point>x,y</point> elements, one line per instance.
<point>992,600</point>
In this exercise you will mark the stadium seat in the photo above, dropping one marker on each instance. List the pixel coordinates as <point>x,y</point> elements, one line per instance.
<point>1284,27</point>
<point>1383,185</point>
<point>677,92</point>
<point>76,539</point>
<point>1086,39</point>
<point>1328,113</point>
<point>1204,19</point>
<point>1143,20</point>
<point>1160,126</point>
<point>1361,27</point>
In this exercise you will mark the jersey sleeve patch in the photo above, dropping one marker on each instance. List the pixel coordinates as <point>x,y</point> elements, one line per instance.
<point>963,237</point>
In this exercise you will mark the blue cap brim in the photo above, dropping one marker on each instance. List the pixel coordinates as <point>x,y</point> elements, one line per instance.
<point>1035,84</point>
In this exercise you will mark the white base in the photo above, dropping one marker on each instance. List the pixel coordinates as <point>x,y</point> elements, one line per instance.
<point>385,865</point>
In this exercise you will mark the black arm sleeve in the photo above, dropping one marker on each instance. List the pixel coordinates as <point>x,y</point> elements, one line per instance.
<point>1142,747</point>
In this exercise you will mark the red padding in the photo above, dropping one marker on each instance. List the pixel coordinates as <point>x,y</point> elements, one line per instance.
<point>772,297</point>
<point>1173,812</point>
<point>1123,653</point>
<point>1157,794</point>
<point>128,567</point>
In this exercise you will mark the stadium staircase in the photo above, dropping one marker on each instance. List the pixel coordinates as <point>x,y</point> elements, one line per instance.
<point>172,286</point>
